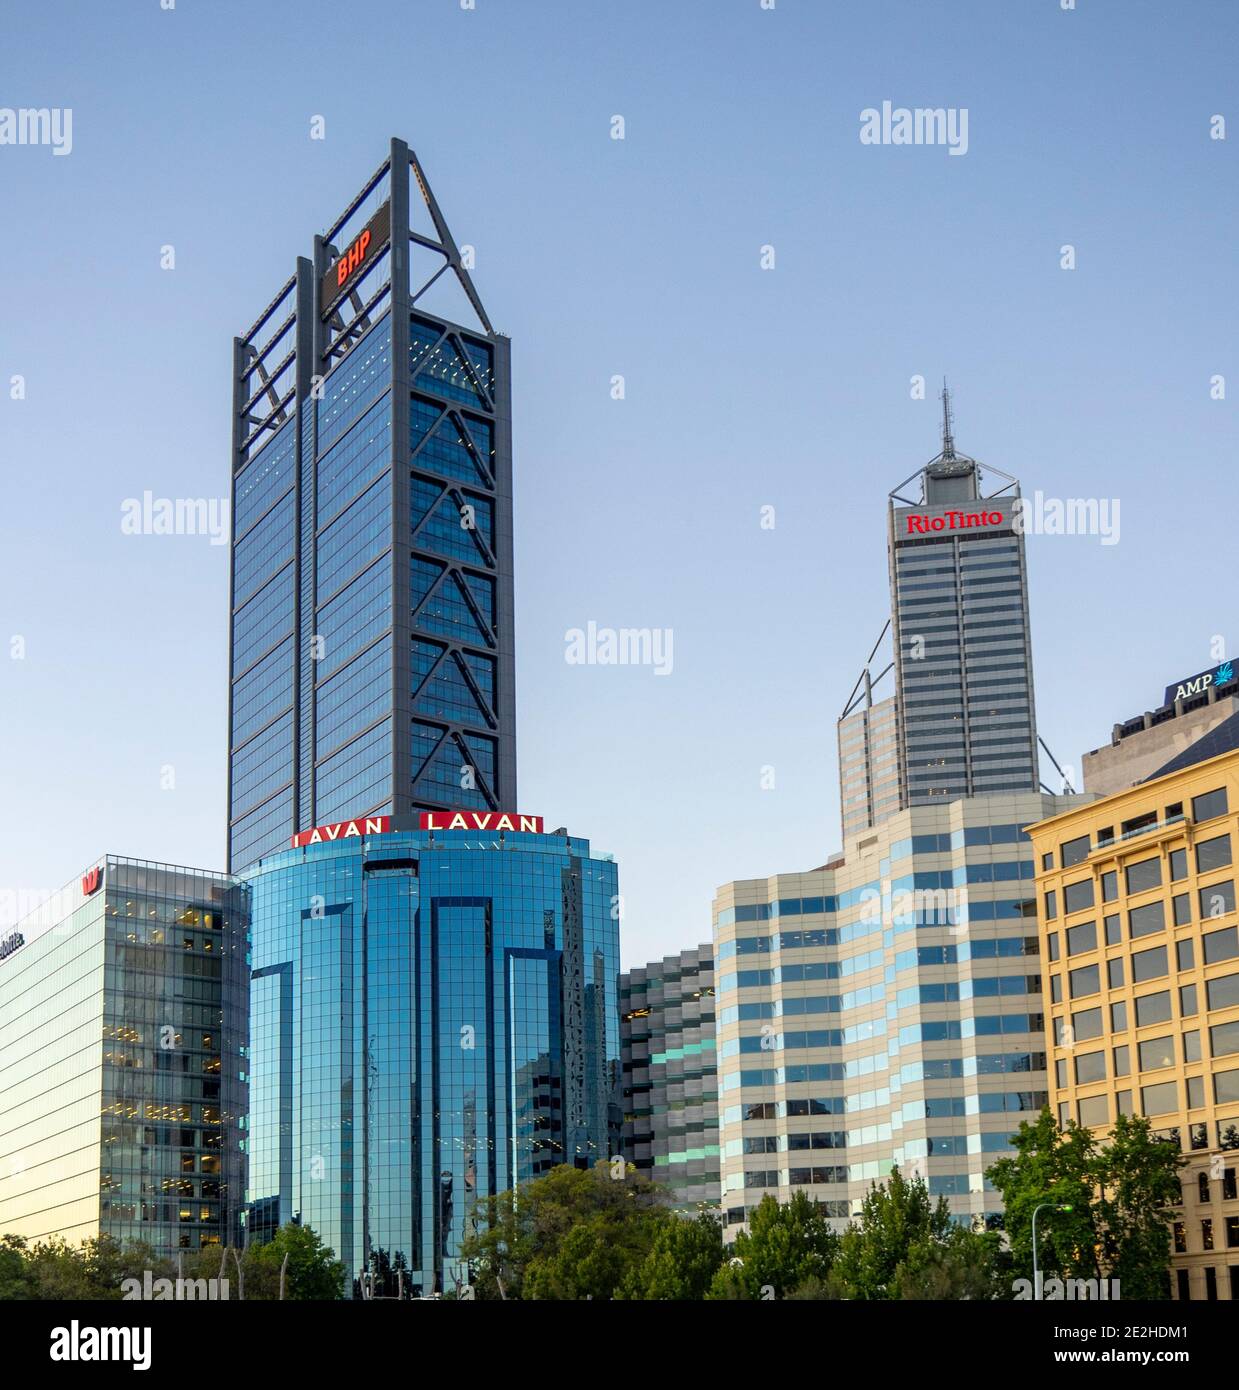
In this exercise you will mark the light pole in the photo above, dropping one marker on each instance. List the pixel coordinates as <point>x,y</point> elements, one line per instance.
<point>1055,1206</point>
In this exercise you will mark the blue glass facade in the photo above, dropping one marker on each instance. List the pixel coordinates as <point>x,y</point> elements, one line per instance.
<point>372,661</point>
<point>434,1019</point>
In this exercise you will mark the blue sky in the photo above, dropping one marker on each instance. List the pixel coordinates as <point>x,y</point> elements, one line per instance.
<point>744,387</point>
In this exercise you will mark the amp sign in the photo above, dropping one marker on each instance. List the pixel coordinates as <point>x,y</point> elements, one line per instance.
<point>1197,685</point>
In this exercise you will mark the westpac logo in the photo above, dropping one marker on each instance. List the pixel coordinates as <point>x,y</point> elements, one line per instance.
<point>922,125</point>
<point>91,880</point>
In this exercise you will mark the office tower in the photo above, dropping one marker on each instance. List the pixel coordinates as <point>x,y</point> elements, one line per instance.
<point>123,1028</point>
<point>371,633</point>
<point>435,1021</point>
<point>670,1084</point>
<point>962,703</point>
<point>1194,708</point>
<point>885,1009</point>
<point>1140,952</point>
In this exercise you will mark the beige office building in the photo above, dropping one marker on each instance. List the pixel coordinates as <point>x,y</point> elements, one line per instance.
<point>1140,949</point>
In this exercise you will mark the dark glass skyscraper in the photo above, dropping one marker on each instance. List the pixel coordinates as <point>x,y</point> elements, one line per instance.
<point>371,629</point>
<point>435,1020</point>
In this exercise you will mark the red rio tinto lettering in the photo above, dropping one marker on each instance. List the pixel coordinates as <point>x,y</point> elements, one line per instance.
<point>921,524</point>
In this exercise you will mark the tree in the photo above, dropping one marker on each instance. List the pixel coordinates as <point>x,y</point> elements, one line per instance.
<point>570,1234</point>
<point>14,1273</point>
<point>681,1263</point>
<point>907,1247</point>
<point>1120,1192</point>
<point>313,1271</point>
<point>784,1247</point>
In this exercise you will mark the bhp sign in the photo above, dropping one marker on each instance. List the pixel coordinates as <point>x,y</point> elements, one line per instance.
<point>342,830</point>
<point>919,524</point>
<point>480,820</point>
<point>359,253</point>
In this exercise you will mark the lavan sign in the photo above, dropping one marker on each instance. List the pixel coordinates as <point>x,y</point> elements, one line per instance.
<point>922,524</point>
<point>1197,685</point>
<point>480,820</point>
<point>342,830</point>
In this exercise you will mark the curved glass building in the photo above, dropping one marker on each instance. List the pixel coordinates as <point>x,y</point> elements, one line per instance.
<point>435,1019</point>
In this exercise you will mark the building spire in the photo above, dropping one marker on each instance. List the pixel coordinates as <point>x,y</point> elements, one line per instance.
<point>948,438</point>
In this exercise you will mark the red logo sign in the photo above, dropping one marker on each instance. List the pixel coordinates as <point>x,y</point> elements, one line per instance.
<point>91,880</point>
<point>352,258</point>
<point>480,820</point>
<point>920,524</point>
<point>342,830</point>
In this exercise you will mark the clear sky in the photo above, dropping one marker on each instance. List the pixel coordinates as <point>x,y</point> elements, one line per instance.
<point>744,387</point>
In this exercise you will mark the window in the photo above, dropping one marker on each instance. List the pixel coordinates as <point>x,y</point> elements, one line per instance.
<point>1082,938</point>
<point>1223,993</point>
<point>1047,862</point>
<point>1144,875</point>
<point>1202,1187</point>
<point>1094,1110</point>
<point>1074,851</point>
<point>1160,1099</point>
<point>1056,989</point>
<point>1114,929</point>
<point>1078,896</point>
<point>1209,804</point>
<point>1212,854</point>
<point>1064,1114</point>
<point>1109,886</point>
<point>1052,945</point>
<point>1229,1191</point>
<point>1051,905</point>
<point>1185,955</point>
<point>1148,965</point>
<point>1178,864</point>
<point>1187,1001</point>
<point>1220,945</point>
<point>1191,1046</point>
<point>1226,1087</point>
<point>1153,1008</point>
<point>1122,1061</point>
<point>1114,972</point>
<point>1122,1103</point>
<point>1086,980</point>
<point>1143,921</point>
<point>1218,899</point>
<point>1086,1024</point>
<point>1060,1072</point>
<point>1118,1016</point>
<point>1206,1233</point>
<point>1224,1039</point>
<point>1090,1066</point>
<point>1181,909</point>
<point>1195,1094</point>
<point>1180,1248</point>
<point>1156,1053</point>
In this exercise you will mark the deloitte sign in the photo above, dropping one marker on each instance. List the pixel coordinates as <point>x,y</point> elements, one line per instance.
<point>1198,684</point>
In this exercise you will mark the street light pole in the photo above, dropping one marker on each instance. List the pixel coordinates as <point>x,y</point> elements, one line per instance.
<point>1055,1206</point>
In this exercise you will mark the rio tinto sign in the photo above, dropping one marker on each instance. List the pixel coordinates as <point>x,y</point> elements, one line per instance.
<point>921,524</point>
<point>342,830</point>
<point>480,820</point>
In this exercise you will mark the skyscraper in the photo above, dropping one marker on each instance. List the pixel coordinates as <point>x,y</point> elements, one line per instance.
<point>371,608</point>
<point>962,708</point>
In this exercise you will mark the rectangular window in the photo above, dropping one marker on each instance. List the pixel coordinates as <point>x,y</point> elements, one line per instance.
<point>1220,945</point>
<point>1118,1017</point>
<point>1187,1001</point>
<point>1074,851</point>
<point>1109,886</point>
<point>1156,1052</point>
<point>1114,929</point>
<point>1090,1066</point>
<point>1224,1039</point>
<point>1122,1103</point>
<point>1144,875</point>
<point>1047,862</point>
<point>1056,989</point>
<point>1060,1073</point>
<point>1195,1092</point>
<point>1086,1023</point>
<point>1148,965</point>
<point>1209,804</point>
<point>1218,900</point>
<point>1153,1008</point>
<point>1114,972</point>
<point>1082,938</point>
<point>1226,1087</point>
<point>1212,854</point>
<point>1160,1099</point>
<point>1086,980</point>
<point>1094,1110</point>
<point>1122,1061</point>
<point>1078,896</point>
<point>1223,993</point>
<point>1143,921</point>
<point>1051,942</point>
<point>1051,905</point>
<point>1184,954</point>
<point>1191,1046</point>
<point>1181,909</point>
<point>1178,864</point>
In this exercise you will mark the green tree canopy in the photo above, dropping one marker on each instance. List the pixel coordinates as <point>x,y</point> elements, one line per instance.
<point>784,1248</point>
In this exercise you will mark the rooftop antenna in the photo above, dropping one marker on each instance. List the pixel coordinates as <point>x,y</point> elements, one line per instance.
<point>948,438</point>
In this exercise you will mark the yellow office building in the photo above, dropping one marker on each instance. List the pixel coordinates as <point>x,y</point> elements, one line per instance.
<point>1140,958</point>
